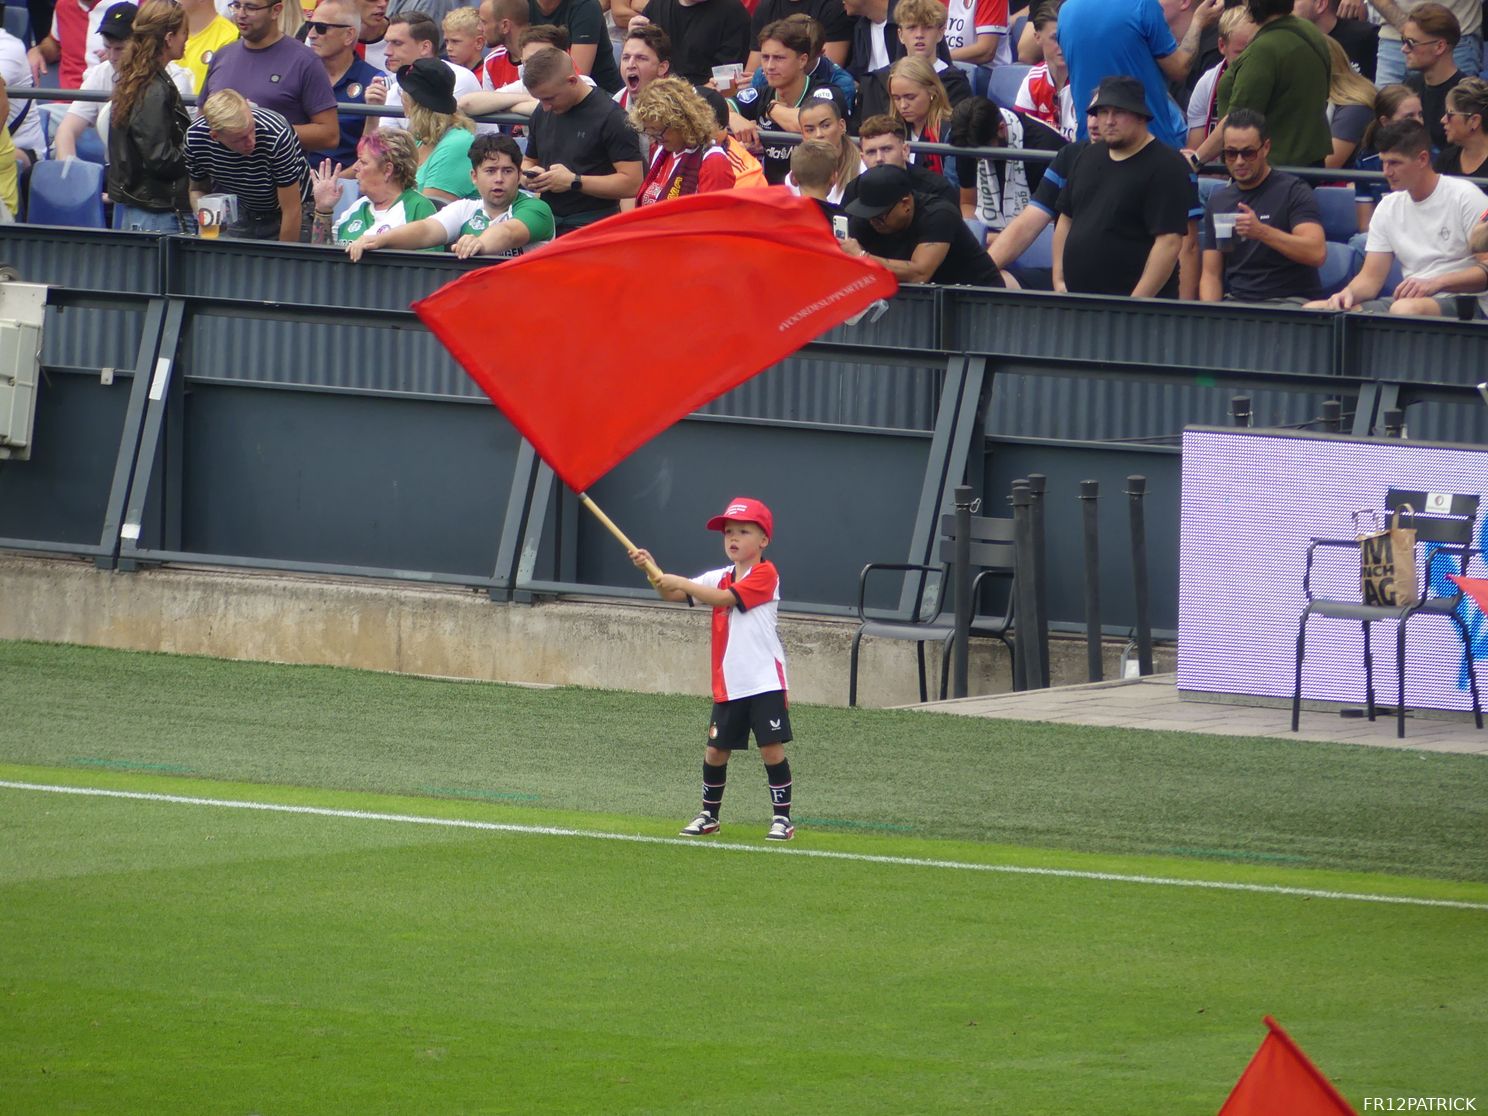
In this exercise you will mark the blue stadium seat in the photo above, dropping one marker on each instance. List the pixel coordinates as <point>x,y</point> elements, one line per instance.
<point>1015,33</point>
<point>18,22</point>
<point>1337,269</point>
<point>90,147</point>
<point>1207,186</point>
<point>349,193</point>
<point>1340,220</point>
<point>1039,256</point>
<point>66,193</point>
<point>1004,83</point>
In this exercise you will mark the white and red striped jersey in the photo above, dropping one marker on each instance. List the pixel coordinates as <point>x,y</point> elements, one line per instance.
<point>966,19</point>
<point>747,656</point>
<point>497,70</point>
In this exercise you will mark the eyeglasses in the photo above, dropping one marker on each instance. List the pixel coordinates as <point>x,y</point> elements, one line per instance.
<point>1411,44</point>
<point>1464,115</point>
<point>321,28</point>
<point>654,134</point>
<point>1231,153</point>
<point>239,6</point>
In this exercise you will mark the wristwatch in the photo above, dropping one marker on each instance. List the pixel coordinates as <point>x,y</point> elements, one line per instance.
<point>578,183</point>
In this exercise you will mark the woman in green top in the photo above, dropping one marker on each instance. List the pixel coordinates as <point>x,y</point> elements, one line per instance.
<point>387,163</point>
<point>443,133</point>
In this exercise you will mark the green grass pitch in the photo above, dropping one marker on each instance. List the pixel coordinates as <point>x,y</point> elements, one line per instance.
<point>168,956</point>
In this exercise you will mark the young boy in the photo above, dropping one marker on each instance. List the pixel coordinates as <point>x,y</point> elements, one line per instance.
<point>748,661</point>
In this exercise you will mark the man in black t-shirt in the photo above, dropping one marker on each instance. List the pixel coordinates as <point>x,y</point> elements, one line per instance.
<point>1124,211</point>
<point>837,26</point>
<point>704,34</point>
<point>1433,32</point>
<point>582,154</point>
<point>918,237</point>
<point>588,38</point>
<point>1358,37</point>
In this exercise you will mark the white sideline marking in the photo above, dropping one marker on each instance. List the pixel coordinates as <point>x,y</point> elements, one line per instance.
<point>819,854</point>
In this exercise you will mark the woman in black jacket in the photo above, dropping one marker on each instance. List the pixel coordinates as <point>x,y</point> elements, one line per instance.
<point>147,131</point>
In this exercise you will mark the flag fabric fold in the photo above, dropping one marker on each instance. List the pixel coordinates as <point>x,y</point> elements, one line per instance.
<point>1280,1079</point>
<point>594,344</point>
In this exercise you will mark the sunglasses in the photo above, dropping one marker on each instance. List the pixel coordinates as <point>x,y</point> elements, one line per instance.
<point>1411,44</point>
<point>321,28</point>
<point>1240,153</point>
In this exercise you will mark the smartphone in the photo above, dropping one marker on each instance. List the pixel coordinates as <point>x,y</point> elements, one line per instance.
<point>839,227</point>
<point>529,172</point>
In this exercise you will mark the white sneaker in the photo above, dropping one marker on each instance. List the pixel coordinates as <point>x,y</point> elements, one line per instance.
<point>780,829</point>
<point>700,826</point>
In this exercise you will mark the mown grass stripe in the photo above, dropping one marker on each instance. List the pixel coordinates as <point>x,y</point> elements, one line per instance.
<point>725,846</point>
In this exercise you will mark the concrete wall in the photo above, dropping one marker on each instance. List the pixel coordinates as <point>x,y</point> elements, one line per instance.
<point>650,647</point>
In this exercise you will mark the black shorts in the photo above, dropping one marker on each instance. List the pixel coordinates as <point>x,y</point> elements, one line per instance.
<point>765,714</point>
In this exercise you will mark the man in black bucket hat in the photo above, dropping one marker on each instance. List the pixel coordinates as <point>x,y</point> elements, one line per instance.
<point>1123,212</point>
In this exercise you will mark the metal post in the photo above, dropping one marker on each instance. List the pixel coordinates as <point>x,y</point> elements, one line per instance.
<point>1037,484</point>
<point>1394,420</point>
<point>1020,629</point>
<point>1240,410</point>
<point>1332,415</point>
<point>961,572</point>
<point>1136,491</point>
<point>1025,635</point>
<point>1089,513</point>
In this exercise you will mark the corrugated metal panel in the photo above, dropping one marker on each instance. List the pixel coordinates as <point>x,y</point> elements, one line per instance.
<point>912,321</point>
<point>91,337</point>
<point>837,392</point>
<point>1401,349</point>
<point>90,259</point>
<point>1448,422</point>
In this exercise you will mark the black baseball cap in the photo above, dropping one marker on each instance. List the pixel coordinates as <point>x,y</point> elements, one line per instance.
<point>1122,93</point>
<point>880,189</point>
<point>118,21</point>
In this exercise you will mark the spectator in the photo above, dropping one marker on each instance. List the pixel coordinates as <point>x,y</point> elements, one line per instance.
<point>918,237</point>
<point>442,133</point>
<point>875,37</point>
<point>885,140</point>
<point>646,56</point>
<point>704,33</point>
<point>117,26</point>
<point>436,10</point>
<point>1467,143</point>
<point>1392,103</point>
<point>24,123</point>
<point>814,172</point>
<point>373,38</point>
<point>501,21</point>
<point>147,137</point>
<point>1179,16</point>
<point>1430,35</point>
<point>207,33</point>
<point>976,32</point>
<point>10,193</point>
<point>822,69</point>
<point>1358,37</point>
<point>836,25</point>
<point>583,154</point>
<point>386,169</point>
<point>680,125</point>
<point>515,97</point>
<point>1236,29</point>
<point>918,99</point>
<point>464,40</point>
<point>994,191</point>
<point>785,55</point>
<point>588,39</point>
<point>921,31</point>
<point>1425,223</point>
<point>502,221</point>
<point>823,120</point>
<point>334,28</point>
<point>1105,37</point>
<point>1277,242</point>
<point>1394,58</point>
<point>1041,211</point>
<point>1124,211</point>
<point>74,43</point>
<point>277,73</point>
<point>1283,75</point>
<point>251,152</point>
<point>292,20</point>
<point>1045,93</point>
<point>411,36</point>
<point>747,170</point>
<point>1350,107</point>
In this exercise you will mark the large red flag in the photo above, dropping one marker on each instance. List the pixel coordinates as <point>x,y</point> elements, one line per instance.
<point>1474,587</point>
<point>596,343</point>
<point>1282,1081</point>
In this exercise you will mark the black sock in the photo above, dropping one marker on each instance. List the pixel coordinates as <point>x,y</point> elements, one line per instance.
<point>779,777</point>
<point>714,777</point>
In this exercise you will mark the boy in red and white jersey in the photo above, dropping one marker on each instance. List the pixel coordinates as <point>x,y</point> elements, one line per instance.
<point>748,661</point>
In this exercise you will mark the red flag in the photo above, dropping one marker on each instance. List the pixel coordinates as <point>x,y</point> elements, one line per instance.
<point>1474,587</point>
<point>1281,1079</point>
<point>594,344</point>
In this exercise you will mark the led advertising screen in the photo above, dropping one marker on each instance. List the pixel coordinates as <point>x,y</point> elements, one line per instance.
<point>1252,500</point>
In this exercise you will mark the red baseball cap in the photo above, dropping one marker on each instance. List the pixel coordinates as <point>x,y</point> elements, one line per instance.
<point>743,509</point>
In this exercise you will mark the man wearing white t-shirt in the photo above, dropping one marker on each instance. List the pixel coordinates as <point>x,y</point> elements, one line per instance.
<point>25,114</point>
<point>501,223</point>
<point>1426,224</point>
<point>410,36</point>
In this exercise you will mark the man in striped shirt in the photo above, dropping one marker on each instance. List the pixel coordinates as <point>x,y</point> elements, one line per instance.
<point>252,153</point>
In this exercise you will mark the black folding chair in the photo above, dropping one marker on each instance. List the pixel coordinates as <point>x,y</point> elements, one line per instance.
<point>1449,545</point>
<point>928,614</point>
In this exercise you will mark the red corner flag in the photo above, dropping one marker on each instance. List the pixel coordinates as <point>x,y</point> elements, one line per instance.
<point>596,343</point>
<point>1474,587</point>
<point>1282,1080</point>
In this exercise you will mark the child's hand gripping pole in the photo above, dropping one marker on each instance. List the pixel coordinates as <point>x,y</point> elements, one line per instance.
<point>653,571</point>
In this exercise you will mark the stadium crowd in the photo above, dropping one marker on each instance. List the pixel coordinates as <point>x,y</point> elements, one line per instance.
<point>634,102</point>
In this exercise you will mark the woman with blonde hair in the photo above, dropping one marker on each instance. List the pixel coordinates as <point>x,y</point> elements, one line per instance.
<point>918,99</point>
<point>681,126</point>
<point>147,134</point>
<point>1465,120</point>
<point>386,169</point>
<point>441,131</point>
<point>1350,106</point>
